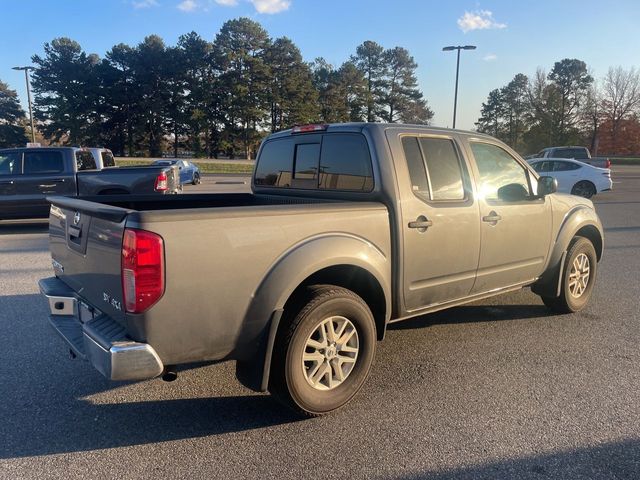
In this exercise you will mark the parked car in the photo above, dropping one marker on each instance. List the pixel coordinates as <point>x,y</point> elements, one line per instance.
<point>29,175</point>
<point>102,156</point>
<point>573,176</point>
<point>189,171</point>
<point>349,227</point>
<point>577,153</point>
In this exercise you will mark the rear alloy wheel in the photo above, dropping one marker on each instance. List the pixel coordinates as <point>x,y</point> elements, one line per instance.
<point>584,189</point>
<point>578,277</point>
<point>196,179</point>
<point>323,355</point>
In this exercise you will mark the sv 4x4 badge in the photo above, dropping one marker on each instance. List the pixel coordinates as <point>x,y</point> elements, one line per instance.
<point>111,301</point>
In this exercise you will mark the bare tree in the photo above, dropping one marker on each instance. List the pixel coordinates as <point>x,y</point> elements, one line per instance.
<point>620,97</point>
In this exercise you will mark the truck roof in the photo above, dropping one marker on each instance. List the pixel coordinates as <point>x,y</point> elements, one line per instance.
<point>360,126</point>
<point>35,149</point>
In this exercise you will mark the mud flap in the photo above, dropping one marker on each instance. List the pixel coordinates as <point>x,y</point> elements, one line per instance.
<point>253,373</point>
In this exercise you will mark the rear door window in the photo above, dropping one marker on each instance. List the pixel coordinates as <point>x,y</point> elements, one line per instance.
<point>434,168</point>
<point>10,163</point>
<point>542,166</point>
<point>417,172</point>
<point>443,169</point>
<point>564,166</point>
<point>43,162</point>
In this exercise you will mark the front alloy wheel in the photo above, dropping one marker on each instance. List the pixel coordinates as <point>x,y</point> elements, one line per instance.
<point>578,277</point>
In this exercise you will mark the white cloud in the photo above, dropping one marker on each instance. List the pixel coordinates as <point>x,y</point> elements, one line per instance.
<point>144,3</point>
<point>490,58</point>
<point>479,20</point>
<point>227,3</point>
<point>187,5</point>
<point>271,6</point>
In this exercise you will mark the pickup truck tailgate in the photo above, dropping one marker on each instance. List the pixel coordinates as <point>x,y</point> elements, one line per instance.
<point>86,242</point>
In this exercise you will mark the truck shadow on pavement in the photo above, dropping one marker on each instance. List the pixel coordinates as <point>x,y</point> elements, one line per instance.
<point>44,409</point>
<point>619,460</point>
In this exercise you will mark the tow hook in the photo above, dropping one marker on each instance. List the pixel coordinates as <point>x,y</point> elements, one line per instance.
<point>170,373</point>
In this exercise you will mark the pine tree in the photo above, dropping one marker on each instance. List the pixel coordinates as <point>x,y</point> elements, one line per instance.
<point>370,60</point>
<point>401,98</point>
<point>239,59</point>
<point>64,82</point>
<point>12,119</point>
<point>293,98</point>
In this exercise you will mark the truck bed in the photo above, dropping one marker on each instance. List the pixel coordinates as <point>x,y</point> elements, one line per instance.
<point>219,250</point>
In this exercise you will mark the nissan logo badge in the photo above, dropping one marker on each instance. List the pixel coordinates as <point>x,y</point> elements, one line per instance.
<point>76,218</point>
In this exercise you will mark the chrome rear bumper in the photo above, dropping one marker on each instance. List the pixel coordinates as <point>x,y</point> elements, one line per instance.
<point>98,339</point>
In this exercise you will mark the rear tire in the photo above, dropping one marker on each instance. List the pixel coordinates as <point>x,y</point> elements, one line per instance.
<point>578,277</point>
<point>584,189</point>
<point>323,354</point>
<point>196,179</point>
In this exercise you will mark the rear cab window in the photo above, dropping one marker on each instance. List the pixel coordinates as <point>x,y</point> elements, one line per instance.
<point>328,161</point>
<point>578,153</point>
<point>85,160</point>
<point>107,159</point>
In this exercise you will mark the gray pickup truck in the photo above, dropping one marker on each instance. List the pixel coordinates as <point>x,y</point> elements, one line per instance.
<point>29,175</point>
<point>581,154</point>
<point>349,227</point>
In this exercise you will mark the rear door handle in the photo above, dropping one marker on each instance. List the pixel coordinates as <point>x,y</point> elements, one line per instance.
<point>493,217</point>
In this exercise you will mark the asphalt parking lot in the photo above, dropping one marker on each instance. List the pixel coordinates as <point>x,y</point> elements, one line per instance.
<point>496,389</point>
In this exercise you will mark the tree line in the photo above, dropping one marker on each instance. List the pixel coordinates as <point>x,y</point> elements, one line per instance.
<point>207,97</point>
<point>567,106</point>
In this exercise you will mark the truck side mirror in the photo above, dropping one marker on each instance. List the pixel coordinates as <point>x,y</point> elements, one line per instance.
<point>513,192</point>
<point>547,185</point>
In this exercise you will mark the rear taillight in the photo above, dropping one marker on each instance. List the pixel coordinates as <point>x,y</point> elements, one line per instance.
<point>162,183</point>
<point>142,269</point>
<point>607,163</point>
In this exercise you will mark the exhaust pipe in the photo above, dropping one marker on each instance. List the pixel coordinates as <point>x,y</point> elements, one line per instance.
<point>170,373</point>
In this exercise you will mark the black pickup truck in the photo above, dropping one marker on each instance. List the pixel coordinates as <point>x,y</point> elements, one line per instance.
<point>29,175</point>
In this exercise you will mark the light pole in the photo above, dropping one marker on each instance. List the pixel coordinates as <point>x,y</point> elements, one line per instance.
<point>26,79</point>
<point>455,98</point>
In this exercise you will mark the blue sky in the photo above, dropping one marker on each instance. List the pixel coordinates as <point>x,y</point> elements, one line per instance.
<point>512,37</point>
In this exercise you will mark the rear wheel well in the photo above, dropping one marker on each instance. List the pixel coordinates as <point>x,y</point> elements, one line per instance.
<point>590,232</point>
<point>351,277</point>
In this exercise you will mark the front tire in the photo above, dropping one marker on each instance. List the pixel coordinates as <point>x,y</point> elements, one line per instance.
<point>578,278</point>
<point>324,353</point>
<point>196,179</point>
